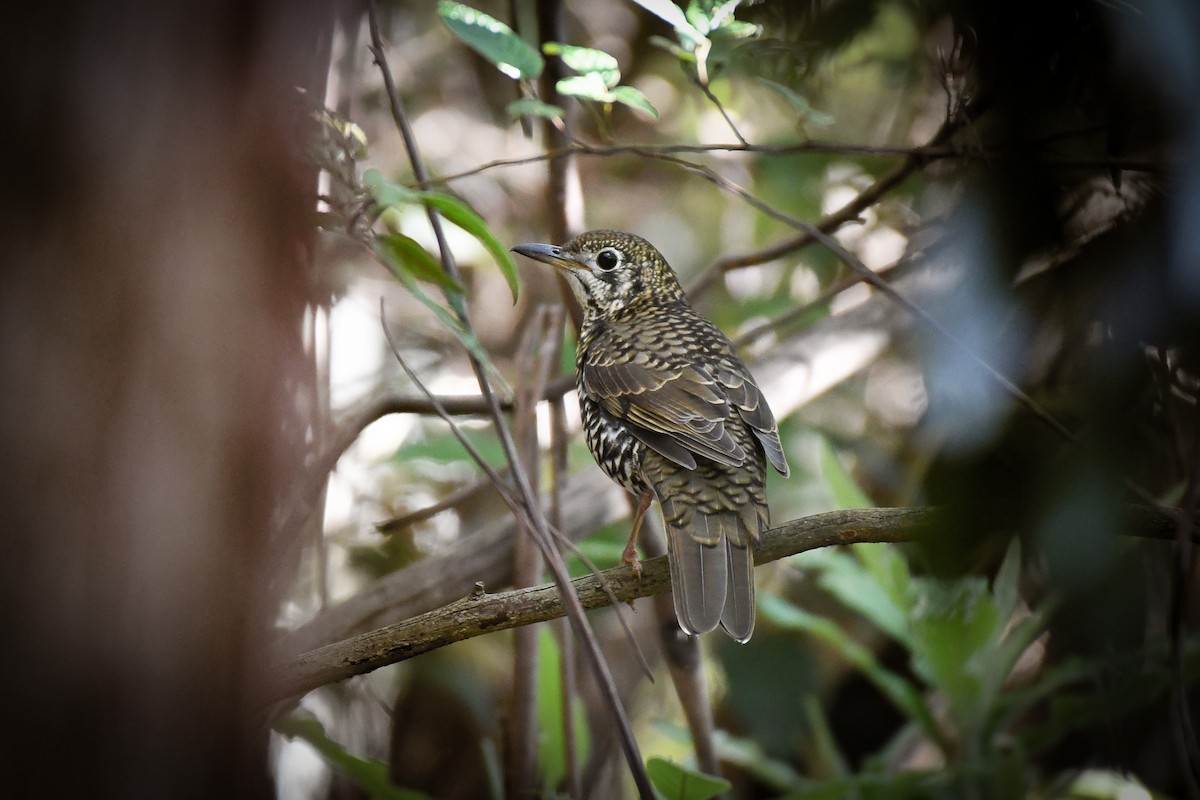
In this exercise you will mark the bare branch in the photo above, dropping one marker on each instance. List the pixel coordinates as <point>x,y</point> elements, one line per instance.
<point>481,613</point>
<point>915,158</point>
<point>459,496</point>
<point>925,153</point>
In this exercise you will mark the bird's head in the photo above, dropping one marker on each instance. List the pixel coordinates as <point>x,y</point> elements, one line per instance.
<point>610,272</point>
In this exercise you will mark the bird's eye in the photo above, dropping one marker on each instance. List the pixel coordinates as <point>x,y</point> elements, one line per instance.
<point>608,259</point>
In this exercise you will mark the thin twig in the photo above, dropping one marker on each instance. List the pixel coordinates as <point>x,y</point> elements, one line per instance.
<point>831,291</point>
<point>639,655</point>
<point>924,152</point>
<point>537,522</point>
<point>497,481</point>
<point>915,158</point>
<point>453,500</point>
<point>878,283</point>
<point>590,149</point>
<point>712,98</point>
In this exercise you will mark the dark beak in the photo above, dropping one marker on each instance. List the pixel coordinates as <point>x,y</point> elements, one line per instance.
<point>550,254</point>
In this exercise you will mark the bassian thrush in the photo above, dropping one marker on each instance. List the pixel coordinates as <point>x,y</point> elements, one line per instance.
<point>671,412</point>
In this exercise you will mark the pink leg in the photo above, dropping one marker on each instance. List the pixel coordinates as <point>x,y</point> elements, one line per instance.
<point>630,555</point>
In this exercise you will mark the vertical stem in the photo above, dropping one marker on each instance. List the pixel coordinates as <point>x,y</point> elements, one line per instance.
<point>565,216</point>
<point>558,474</point>
<point>538,530</point>
<point>521,752</point>
<point>564,197</point>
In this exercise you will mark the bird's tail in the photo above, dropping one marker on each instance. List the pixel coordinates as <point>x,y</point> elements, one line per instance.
<point>712,567</point>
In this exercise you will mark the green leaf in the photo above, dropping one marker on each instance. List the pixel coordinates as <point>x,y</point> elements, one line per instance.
<point>828,757</point>
<point>585,60</point>
<point>904,695</point>
<point>404,254</point>
<point>388,194</point>
<point>589,86</point>
<point>666,10</point>
<point>464,336</point>
<point>855,587</point>
<point>368,774</point>
<point>736,29</point>
<point>492,39</point>
<point>679,783</point>
<point>385,192</point>
<point>634,99</point>
<point>709,16</point>
<point>440,445</point>
<point>748,754</point>
<point>698,15</point>
<point>532,107</point>
<point>1006,585</point>
<point>799,102</point>
<point>462,216</point>
<point>956,629</point>
<point>688,35</point>
<point>889,569</point>
<point>845,491</point>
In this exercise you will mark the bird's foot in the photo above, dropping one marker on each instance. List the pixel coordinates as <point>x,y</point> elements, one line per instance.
<point>630,557</point>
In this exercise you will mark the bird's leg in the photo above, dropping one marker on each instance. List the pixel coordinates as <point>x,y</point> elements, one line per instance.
<point>630,555</point>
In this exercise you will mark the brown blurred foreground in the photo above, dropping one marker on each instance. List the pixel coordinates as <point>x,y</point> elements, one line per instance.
<point>154,216</point>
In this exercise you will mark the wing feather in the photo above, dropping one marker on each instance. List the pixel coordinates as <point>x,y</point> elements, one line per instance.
<point>682,410</point>
<point>747,398</point>
<point>681,405</point>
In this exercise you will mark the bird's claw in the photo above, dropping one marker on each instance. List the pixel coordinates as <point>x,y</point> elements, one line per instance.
<point>630,557</point>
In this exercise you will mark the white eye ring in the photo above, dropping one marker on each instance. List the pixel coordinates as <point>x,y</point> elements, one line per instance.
<point>608,259</point>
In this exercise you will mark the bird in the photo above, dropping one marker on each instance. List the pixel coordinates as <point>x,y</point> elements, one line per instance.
<point>672,414</point>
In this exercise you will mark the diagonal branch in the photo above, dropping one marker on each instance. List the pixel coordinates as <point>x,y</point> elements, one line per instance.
<point>537,526</point>
<point>481,613</point>
<point>914,159</point>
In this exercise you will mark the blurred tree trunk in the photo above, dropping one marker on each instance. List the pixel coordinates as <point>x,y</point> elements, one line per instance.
<point>155,213</point>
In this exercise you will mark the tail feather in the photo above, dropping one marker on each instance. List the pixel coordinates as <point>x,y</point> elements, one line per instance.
<point>711,556</point>
<point>712,570</point>
<point>738,617</point>
<point>698,580</point>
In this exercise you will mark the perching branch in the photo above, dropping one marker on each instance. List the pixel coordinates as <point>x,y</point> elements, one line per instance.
<point>480,612</point>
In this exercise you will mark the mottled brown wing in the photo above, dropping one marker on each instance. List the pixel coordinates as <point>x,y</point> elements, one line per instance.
<point>677,410</point>
<point>744,395</point>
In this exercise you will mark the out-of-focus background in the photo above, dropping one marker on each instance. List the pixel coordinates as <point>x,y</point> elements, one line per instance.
<point>214,461</point>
